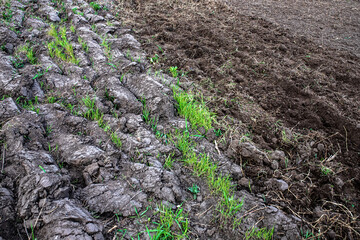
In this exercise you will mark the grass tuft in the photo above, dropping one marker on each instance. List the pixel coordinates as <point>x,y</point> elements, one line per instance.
<point>84,45</point>
<point>31,56</point>
<point>95,6</point>
<point>28,104</point>
<point>116,140</point>
<point>29,52</point>
<point>172,225</point>
<point>259,233</point>
<point>197,113</point>
<point>169,161</point>
<point>107,45</point>
<point>93,113</point>
<point>8,13</point>
<point>202,166</point>
<point>60,47</point>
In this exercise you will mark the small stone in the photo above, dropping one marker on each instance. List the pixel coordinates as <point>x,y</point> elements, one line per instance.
<point>200,230</point>
<point>63,192</point>
<point>134,181</point>
<point>9,48</point>
<point>246,153</point>
<point>42,202</point>
<point>271,209</point>
<point>331,234</point>
<point>236,171</point>
<point>298,177</point>
<point>203,206</point>
<point>155,163</point>
<point>277,184</point>
<point>92,228</point>
<point>168,194</point>
<point>320,147</point>
<point>137,166</point>
<point>283,163</point>
<point>318,211</point>
<point>168,204</point>
<point>244,182</point>
<point>274,165</point>
<point>277,174</point>
<point>282,48</point>
<point>45,182</point>
<point>339,183</point>
<point>92,169</point>
<point>146,141</point>
<point>282,185</point>
<point>211,232</point>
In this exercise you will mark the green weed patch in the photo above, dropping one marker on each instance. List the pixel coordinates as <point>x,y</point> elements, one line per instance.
<point>170,220</point>
<point>197,113</point>
<point>60,47</point>
<point>220,185</point>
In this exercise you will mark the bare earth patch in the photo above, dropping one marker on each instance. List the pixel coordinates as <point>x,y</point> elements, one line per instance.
<point>327,22</point>
<point>295,100</point>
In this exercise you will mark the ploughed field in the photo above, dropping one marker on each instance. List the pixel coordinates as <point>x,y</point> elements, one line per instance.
<point>166,119</point>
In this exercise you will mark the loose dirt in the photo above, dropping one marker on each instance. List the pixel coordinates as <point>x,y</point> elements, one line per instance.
<point>327,22</point>
<point>260,78</point>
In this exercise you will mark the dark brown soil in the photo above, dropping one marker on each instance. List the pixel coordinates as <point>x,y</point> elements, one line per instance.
<point>265,78</point>
<point>327,22</point>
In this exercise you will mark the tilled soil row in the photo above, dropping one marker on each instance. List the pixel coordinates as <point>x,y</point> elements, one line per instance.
<point>327,22</point>
<point>287,109</point>
<point>78,159</point>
